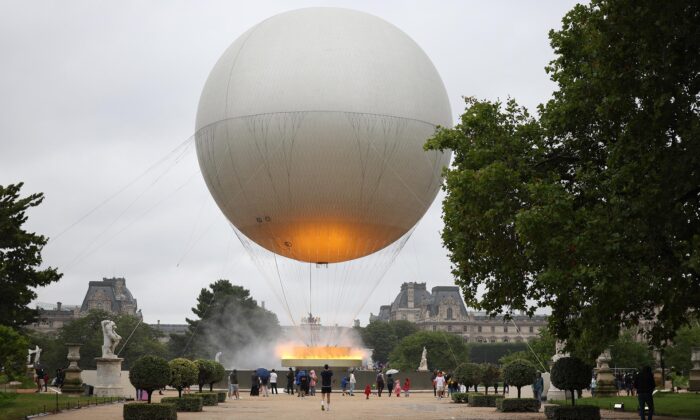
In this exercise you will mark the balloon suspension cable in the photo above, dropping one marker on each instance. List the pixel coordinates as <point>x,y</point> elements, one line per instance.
<point>528,345</point>
<point>129,337</point>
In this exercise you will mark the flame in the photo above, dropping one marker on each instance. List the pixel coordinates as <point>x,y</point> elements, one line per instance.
<point>319,352</point>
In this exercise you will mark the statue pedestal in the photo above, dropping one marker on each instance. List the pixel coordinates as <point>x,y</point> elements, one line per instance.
<point>72,381</point>
<point>605,379</point>
<point>555,393</point>
<point>109,372</point>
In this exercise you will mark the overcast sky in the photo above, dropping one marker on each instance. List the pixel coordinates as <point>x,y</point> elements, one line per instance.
<point>93,93</point>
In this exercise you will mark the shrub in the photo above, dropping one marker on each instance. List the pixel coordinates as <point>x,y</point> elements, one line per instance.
<point>210,372</point>
<point>570,373</point>
<point>518,405</point>
<point>460,397</point>
<point>183,373</point>
<point>149,373</point>
<point>484,400</point>
<point>184,404</point>
<point>221,396</point>
<point>140,411</point>
<point>519,373</point>
<point>565,412</point>
<point>208,398</point>
<point>469,374</point>
<point>489,376</point>
<point>471,395</point>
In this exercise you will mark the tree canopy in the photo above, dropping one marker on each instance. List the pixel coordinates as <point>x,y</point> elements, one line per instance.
<point>13,352</point>
<point>229,320</point>
<point>445,351</point>
<point>593,208</point>
<point>519,373</point>
<point>183,373</point>
<point>149,373</point>
<point>571,374</point>
<point>382,337</point>
<point>20,258</point>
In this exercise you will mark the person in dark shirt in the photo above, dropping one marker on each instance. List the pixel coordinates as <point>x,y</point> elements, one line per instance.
<point>290,382</point>
<point>326,381</point>
<point>645,387</point>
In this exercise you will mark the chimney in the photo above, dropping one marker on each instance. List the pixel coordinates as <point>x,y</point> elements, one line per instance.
<point>262,303</point>
<point>58,306</point>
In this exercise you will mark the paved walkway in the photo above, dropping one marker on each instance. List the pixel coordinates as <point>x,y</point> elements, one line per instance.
<point>417,406</point>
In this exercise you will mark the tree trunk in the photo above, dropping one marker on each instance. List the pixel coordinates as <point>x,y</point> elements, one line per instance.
<point>486,388</point>
<point>200,387</point>
<point>518,392</point>
<point>179,392</point>
<point>211,387</point>
<point>573,397</point>
<point>149,391</point>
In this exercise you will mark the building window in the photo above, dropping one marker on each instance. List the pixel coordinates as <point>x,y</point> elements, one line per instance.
<point>505,339</point>
<point>532,329</point>
<point>493,329</point>
<point>505,328</point>
<point>403,317</point>
<point>434,328</point>
<point>449,313</point>
<point>449,328</point>
<point>478,328</point>
<point>464,328</point>
<point>492,339</point>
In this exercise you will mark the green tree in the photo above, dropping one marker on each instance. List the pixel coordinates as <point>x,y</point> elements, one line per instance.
<point>207,372</point>
<point>87,330</point>
<point>678,355</point>
<point>228,318</point>
<point>469,374</point>
<point>381,338</point>
<point>519,373</point>
<point>571,374</point>
<point>626,352</point>
<point>490,374</point>
<point>149,373</point>
<point>445,351</point>
<point>598,197</point>
<point>20,258</point>
<point>13,352</point>
<point>403,328</point>
<point>218,374</point>
<point>183,373</point>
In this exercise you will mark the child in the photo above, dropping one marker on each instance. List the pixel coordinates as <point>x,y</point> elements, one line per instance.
<point>397,387</point>
<point>368,391</point>
<point>406,387</point>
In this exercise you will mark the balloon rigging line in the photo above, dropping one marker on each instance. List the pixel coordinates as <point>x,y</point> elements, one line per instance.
<point>129,337</point>
<point>121,190</point>
<point>133,221</point>
<point>528,345</point>
<point>192,242</point>
<point>96,238</point>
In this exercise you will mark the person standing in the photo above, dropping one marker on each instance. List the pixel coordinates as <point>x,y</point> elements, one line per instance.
<point>368,390</point>
<point>352,383</point>
<point>645,387</point>
<point>290,382</point>
<point>326,382</point>
<point>397,387</point>
<point>380,384</point>
<point>440,385</point>
<point>389,384</point>
<point>273,382</point>
<point>233,384</point>
<point>594,385</point>
<point>432,379</point>
<point>537,387</point>
<point>344,384</point>
<point>312,383</point>
<point>406,388</point>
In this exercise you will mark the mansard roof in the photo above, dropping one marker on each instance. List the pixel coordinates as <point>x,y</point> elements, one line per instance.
<point>111,289</point>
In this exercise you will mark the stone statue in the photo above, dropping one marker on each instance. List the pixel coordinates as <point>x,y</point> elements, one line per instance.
<point>111,339</point>
<point>37,355</point>
<point>423,361</point>
<point>217,357</point>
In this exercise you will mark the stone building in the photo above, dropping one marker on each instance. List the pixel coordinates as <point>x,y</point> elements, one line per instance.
<point>442,309</point>
<point>110,295</point>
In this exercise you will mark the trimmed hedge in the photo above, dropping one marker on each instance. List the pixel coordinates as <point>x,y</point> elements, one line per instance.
<point>518,405</point>
<point>484,400</point>
<point>568,412</point>
<point>184,404</point>
<point>221,396</point>
<point>208,398</point>
<point>459,397</point>
<point>141,411</point>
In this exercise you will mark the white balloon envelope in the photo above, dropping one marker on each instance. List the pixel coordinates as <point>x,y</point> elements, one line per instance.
<point>310,133</point>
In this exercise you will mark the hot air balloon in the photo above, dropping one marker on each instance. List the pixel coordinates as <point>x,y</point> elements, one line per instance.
<point>309,135</point>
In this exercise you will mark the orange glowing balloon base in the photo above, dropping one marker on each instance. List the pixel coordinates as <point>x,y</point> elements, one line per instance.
<point>315,356</point>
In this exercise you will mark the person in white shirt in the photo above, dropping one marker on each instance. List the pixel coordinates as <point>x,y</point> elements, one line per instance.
<point>352,383</point>
<point>440,384</point>
<point>273,382</point>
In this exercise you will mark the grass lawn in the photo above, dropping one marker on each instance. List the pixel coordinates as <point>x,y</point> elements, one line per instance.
<point>665,404</point>
<point>16,406</point>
